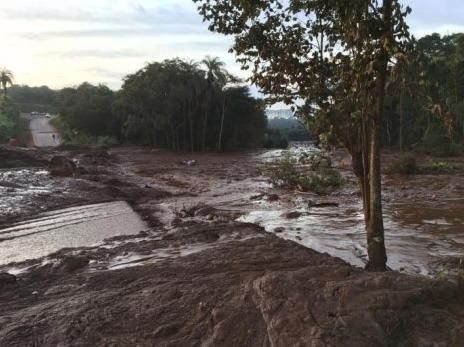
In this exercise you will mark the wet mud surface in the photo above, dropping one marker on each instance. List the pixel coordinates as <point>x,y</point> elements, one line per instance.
<point>201,275</point>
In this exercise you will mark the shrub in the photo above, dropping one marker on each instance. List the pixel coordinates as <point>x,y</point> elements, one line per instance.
<point>284,172</point>
<point>437,143</point>
<point>321,180</point>
<point>72,138</point>
<point>404,165</point>
<point>440,168</point>
<point>6,128</point>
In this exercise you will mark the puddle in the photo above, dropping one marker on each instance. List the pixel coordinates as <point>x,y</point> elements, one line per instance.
<point>72,227</point>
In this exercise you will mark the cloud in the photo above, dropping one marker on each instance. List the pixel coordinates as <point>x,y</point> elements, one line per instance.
<point>147,31</point>
<point>96,53</point>
<point>135,13</point>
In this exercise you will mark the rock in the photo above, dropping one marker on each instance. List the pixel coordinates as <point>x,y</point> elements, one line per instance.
<point>292,215</point>
<point>256,197</point>
<point>188,162</point>
<point>6,279</point>
<point>62,166</point>
<point>273,197</point>
<point>73,263</point>
<point>279,230</point>
<point>322,204</point>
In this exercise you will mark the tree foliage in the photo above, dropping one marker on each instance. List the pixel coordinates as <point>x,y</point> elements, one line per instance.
<point>87,108</point>
<point>425,101</point>
<point>178,105</point>
<point>29,99</point>
<point>6,79</point>
<point>174,104</point>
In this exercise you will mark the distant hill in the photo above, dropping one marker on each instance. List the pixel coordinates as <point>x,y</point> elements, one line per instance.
<point>283,127</point>
<point>281,113</point>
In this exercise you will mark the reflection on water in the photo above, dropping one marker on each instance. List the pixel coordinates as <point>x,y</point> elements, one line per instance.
<point>71,227</point>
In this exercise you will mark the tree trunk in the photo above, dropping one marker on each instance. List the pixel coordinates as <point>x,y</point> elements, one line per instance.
<point>205,124</point>
<point>374,221</point>
<point>401,120</point>
<point>219,147</point>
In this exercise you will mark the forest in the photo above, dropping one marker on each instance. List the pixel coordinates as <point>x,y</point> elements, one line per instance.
<point>424,105</point>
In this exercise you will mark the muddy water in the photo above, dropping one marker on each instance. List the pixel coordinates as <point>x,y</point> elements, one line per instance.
<point>71,227</point>
<point>419,236</point>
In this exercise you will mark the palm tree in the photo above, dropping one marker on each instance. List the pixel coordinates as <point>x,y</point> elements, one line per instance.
<point>216,77</point>
<point>6,78</point>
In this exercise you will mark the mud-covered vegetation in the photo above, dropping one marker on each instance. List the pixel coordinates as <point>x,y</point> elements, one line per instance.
<point>287,171</point>
<point>407,165</point>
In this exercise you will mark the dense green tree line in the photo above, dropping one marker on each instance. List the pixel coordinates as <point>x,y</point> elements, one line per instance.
<point>425,99</point>
<point>173,104</point>
<point>29,99</point>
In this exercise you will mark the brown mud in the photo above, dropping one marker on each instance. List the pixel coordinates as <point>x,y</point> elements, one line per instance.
<point>199,277</point>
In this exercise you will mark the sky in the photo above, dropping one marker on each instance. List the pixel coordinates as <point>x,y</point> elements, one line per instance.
<point>61,43</point>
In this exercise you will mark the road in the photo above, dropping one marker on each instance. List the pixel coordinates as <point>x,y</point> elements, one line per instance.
<point>43,134</point>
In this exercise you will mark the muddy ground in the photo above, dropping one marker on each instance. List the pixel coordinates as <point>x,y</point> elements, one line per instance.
<point>198,276</point>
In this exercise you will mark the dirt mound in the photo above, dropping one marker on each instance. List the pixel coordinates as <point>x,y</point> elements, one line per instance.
<point>260,292</point>
<point>62,166</point>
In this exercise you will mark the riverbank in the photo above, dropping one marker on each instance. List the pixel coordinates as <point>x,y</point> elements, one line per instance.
<point>198,276</point>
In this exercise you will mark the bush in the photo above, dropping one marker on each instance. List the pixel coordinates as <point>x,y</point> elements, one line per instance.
<point>437,143</point>
<point>6,128</point>
<point>72,138</point>
<point>284,172</point>
<point>321,180</point>
<point>440,168</point>
<point>404,165</point>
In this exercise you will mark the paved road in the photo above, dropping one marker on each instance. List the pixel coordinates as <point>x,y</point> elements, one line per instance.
<point>43,134</point>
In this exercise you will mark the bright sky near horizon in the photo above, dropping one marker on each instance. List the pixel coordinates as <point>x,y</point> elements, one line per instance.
<point>63,43</point>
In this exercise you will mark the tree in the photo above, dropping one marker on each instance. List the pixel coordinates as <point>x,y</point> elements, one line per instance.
<point>216,78</point>
<point>6,78</point>
<point>335,56</point>
<point>164,104</point>
<point>87,108</point>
